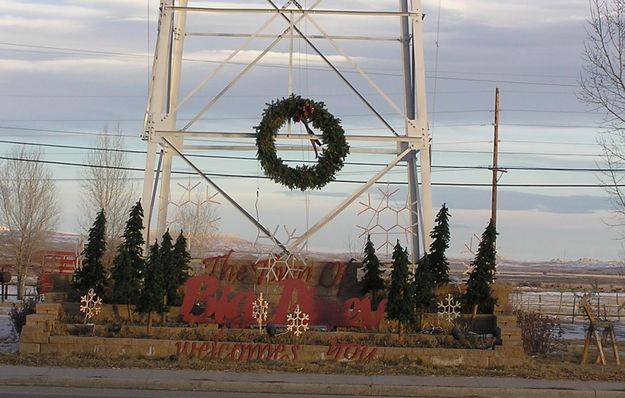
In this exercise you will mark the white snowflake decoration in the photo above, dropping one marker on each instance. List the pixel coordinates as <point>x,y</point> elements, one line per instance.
<point>387,219</point>
<point>276,258</point>
<point>270,266</point>
<point>198,204</point>
<point>297,321</point>
<point>90,304</point>
<point>260,308</point>
<point>449,309</point>
<point>468,249</point>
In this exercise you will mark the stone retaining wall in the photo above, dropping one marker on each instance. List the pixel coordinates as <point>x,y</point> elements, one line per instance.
<point>37,338</point>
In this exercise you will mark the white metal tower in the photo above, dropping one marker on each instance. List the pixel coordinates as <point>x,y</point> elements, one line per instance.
<point>163,131</point>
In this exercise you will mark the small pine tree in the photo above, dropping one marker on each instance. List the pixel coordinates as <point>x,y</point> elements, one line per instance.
<point>423,288</point>
<point>180,269</point>
<point>167,263</point>
<point>125,289</point>
<point>372,281</point>
<point>440,243</point>
<point>128,264</point>
<point>400,296</point>
<point>92,275</point>
<point>478,291</point>
<point>133,240</point>
<point>152,293</point>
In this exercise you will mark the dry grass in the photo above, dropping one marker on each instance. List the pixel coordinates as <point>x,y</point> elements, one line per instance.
<point>253,336</point>
<point>560,366</point>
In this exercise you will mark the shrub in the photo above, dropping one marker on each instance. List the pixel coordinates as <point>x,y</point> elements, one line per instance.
<point>541,334</point>
<point>18,314</point>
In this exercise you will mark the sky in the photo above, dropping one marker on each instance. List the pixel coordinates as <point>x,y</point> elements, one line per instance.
<point>68,68</point>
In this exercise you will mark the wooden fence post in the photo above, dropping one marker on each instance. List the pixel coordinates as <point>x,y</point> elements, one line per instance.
<point>618,313</point>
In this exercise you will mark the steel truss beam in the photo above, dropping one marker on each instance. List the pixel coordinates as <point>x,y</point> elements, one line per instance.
<point>225,134</point>
<point>228,197</point>
<point>290,148</point>
<point>244,10</point>
<point>347,201</point>
<point>315,37</point>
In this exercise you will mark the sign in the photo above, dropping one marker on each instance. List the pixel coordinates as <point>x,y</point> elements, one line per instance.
<point>329,292</point>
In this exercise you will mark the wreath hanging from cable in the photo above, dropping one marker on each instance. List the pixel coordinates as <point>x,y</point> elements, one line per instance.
<point>308,112</point>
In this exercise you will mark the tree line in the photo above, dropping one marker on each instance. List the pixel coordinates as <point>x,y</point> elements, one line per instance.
<point>150,284</point>
<point>29,203</point>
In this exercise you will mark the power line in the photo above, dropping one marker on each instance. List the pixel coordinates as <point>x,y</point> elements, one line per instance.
<point>549,142</point>
<point>352,163</point>
<point>345,181</point>
<point>550,111</point>
<point>551,125</point>
<point>247,95</point>
<point>522,153</point>
<point>501,81</point>
<point>569,77</point>
<point>68,132</point>
<point>255,117</point>
<point>75,51</point>
<point>458,167</point>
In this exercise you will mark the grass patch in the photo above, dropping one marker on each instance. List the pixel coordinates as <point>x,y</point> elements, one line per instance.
<point>561,366</point>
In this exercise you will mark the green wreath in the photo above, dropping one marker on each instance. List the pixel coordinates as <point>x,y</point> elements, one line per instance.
<point>306,111</point>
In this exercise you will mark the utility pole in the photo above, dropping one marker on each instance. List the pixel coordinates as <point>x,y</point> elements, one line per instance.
<point>495,167</point>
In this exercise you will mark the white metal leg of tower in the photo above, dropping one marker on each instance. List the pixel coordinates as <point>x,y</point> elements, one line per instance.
<point>160,130</point>
<point>416,110</point>
<point>161,109</point>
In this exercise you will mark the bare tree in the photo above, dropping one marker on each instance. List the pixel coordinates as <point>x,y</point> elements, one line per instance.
<point>108,187</point>
<point>29,208</point>
<point>603,87</point>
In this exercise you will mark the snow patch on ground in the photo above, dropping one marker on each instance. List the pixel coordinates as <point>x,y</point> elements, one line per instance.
<point>8,337</point>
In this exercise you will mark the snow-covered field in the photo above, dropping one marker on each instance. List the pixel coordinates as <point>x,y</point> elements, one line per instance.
<point>8,337</point>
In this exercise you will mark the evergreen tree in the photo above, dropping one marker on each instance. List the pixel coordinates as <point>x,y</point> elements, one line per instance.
<point>128,264</point>
<point>372,281</point>
<point>167,262</point>
<point>180,269</point>
<point>440,243</point>
<point>133,240</point>
<point>400,296</point>
<point>152,293</point>
<point>478,286</point>
<point>125,289</point>
<point>423,287</point>
<point>92,275</point>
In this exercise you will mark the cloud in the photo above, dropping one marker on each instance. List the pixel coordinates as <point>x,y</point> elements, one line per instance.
<point>58,25</point>
<point>464,198</point>
<point>510,13</point>
<point>480,199</point>
<point>537,235</point>
<point>74,66</point>
<point>503,40</point>
<point>275,57</point>
<point>57,9</point>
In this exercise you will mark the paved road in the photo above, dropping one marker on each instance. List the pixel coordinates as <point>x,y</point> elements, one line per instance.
<point>44,392</point>
<point>262,385</point>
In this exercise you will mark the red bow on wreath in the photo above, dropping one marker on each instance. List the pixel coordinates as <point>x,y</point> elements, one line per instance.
<point>303,114</point>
